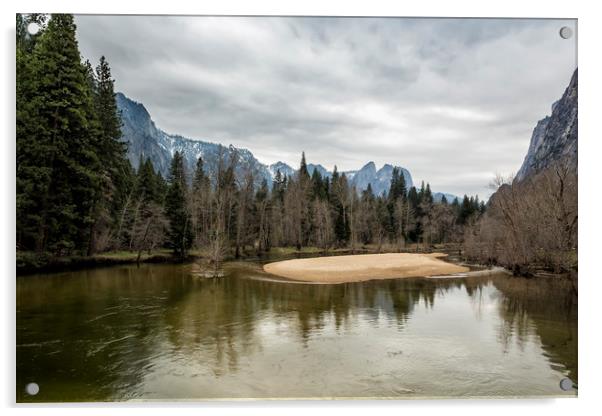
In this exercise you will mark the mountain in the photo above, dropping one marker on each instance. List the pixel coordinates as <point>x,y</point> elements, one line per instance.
<point>321,170</point>
<point>555,136</point>
<point>438,197</point>
<point>144,139</point>
<point>380,180</point>
<point>282,167</point>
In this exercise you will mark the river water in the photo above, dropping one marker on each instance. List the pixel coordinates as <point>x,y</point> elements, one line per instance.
<point>158,332</point>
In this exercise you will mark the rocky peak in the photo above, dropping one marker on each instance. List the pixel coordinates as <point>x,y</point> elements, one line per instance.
<point>555,136</point>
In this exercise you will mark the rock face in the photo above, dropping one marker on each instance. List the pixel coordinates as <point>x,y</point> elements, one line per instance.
<point>321,169</point>
<point>554,137</point>
<point>379,180</point>
<point>283,168</point>
<point>144,139</point>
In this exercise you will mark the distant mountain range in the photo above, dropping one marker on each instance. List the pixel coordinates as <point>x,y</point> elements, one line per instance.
<point>145,139</point>
<point>380,179</point>
<point>555,136</point>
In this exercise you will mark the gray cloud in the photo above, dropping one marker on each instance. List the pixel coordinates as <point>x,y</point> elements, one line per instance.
<point>452,100</point>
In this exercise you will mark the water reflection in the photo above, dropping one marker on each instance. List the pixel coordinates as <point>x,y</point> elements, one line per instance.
<point>157,332</point>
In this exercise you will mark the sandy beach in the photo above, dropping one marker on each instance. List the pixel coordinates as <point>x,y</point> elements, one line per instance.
<point>356,268</point>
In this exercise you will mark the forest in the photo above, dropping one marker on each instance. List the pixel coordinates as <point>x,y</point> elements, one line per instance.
<point>77,193</point>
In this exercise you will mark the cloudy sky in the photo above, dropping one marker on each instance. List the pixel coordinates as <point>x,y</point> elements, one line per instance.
<point>452,100</point>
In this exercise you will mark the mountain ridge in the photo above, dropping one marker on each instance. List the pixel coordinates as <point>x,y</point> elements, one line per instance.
<point>145,139</point>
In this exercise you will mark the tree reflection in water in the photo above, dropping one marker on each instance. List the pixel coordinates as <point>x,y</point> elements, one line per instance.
<point>115,333</point>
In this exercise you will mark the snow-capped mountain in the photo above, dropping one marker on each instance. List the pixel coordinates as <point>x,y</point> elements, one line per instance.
<point>285,170</point>
<point>380,179</point>
<point>145,139</point>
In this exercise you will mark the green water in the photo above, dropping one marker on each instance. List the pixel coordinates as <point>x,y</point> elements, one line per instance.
<point>157,332</point>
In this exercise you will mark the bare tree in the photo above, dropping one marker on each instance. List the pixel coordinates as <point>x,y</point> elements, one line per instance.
<point>530,224</point>
<point>149,232</point>
<point>323,228</point>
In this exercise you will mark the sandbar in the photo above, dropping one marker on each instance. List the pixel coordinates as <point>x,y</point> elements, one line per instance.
<point>357,268</point>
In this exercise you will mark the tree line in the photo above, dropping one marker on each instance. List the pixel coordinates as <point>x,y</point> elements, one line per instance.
<point>223,213</point>
<point>77,193</point>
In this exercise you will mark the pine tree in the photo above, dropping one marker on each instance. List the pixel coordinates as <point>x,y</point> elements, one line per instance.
<point>466,209</point>
<point>180,232</point>
<point>303,172</point>
<point>338,195</point>
<point>115,173</point>
<point>279,186</point>
<point>29,173</point>
<point>414,206</point>
<point>262,216</point>
<point>319,189</point>
<point>146,182</point>
<point>428,195</point>
<point>57,164</point>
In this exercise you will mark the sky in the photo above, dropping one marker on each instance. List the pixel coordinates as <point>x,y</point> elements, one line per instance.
<point>454,101</point>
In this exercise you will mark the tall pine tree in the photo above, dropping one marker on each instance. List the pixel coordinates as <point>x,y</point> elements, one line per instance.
<point>180,230</point>
<point>57,165</point>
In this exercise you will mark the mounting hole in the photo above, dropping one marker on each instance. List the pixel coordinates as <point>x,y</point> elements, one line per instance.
<point>33,28</point>
<point>566,32</point>
<point>32,389</point>
<point>566,384</point>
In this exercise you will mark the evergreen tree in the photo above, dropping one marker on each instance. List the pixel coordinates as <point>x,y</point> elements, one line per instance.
<point>147,182</point>
<point>180,233</point>
<point>428,195</point>
<point>303,172</point>
<point>398,185</point>
<point>466,210</point>
<point>319,186</point>
<point>115,173</point>
<point>200,182</point>
<point>57,166</point>
<point>414,206</point>
<point>279,186</point>
<point>421,192</point>
<point>482,208</point>
<point>339,191</point>
<point>261,217</point>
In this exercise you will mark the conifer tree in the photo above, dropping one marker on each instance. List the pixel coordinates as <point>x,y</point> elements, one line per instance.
<point>303,172</point>
<point>115,174</point>
<point>428,195</point>
<point>180,233</point>
<point>56,162</point>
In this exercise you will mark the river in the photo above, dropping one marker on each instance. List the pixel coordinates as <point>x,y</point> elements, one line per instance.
<point>158,332</point>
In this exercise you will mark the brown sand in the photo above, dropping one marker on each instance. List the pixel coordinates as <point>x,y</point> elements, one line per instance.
<point>339,269</point>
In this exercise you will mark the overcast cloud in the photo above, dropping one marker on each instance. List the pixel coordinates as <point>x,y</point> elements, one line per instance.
<point>453,101</point>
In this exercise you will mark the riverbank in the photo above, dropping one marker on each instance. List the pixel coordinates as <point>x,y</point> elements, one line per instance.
<point>28,262</point>
<point>31,263</point>
<point>356,268</point>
